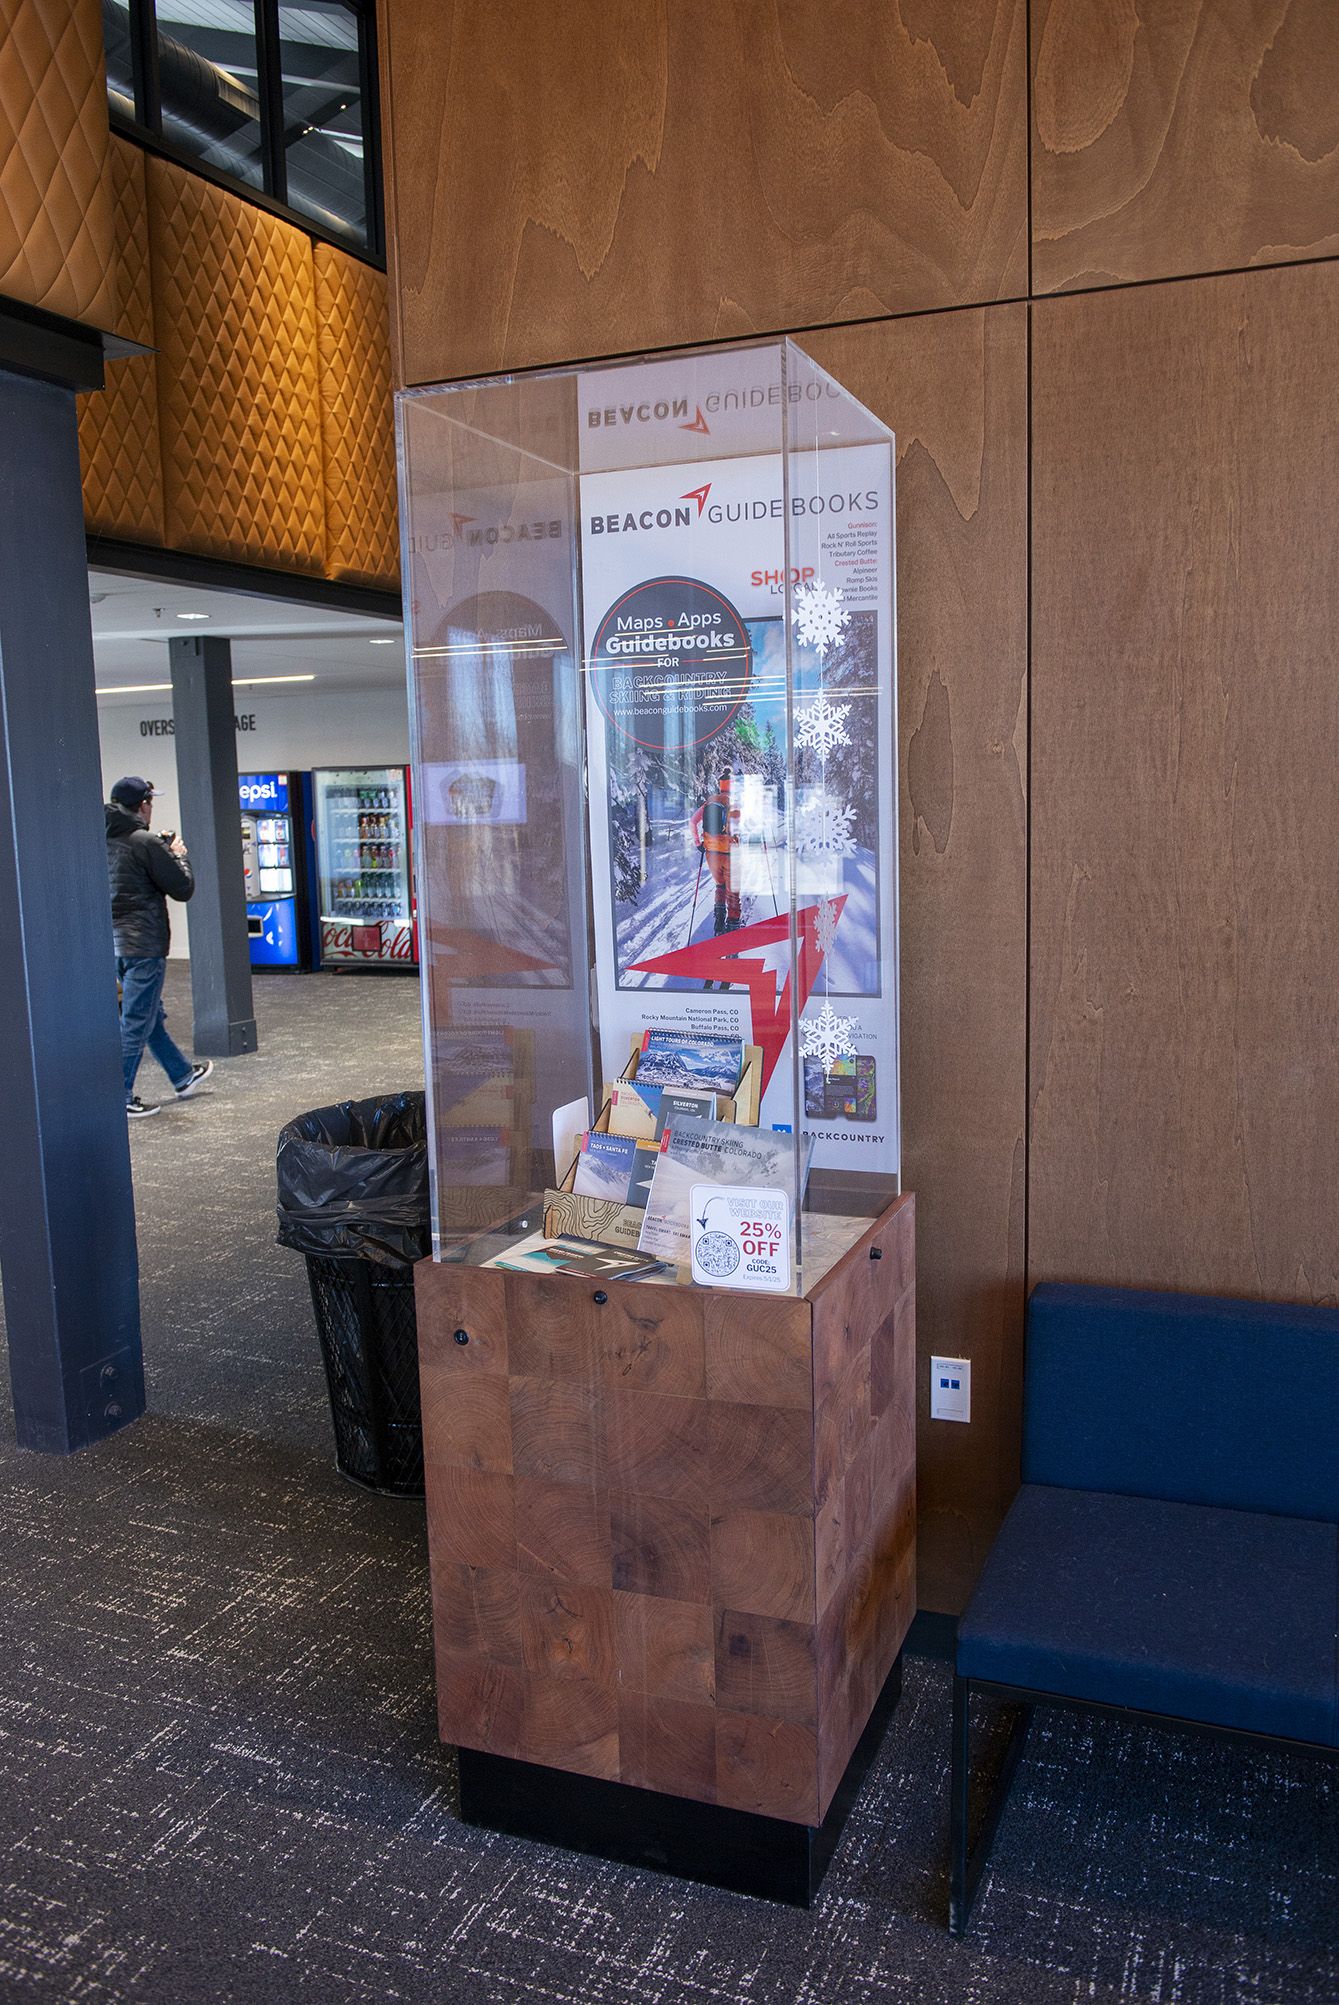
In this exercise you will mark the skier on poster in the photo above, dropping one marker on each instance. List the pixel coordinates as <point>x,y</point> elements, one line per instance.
<point>716,833</point>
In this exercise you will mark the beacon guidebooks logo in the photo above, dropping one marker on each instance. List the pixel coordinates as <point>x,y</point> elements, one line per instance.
<point>690,407</point>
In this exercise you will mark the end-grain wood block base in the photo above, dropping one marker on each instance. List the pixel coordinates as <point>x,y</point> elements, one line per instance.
<point>672,1531</point>
<point>766,1856</point>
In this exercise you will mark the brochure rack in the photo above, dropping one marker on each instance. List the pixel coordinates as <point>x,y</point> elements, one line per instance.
<point>667,1334</point>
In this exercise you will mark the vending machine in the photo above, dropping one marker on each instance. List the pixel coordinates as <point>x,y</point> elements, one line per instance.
<point>276,841</point>
<point>363,824</point>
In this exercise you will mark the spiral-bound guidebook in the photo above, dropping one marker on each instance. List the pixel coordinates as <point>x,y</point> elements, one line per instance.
<point>715,1152</point>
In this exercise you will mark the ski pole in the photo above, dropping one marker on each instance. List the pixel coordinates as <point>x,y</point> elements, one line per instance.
<point>692,917</point>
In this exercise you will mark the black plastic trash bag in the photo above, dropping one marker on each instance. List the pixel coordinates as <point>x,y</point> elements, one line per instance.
<point>353,1197</point>
<point>353,1181</point>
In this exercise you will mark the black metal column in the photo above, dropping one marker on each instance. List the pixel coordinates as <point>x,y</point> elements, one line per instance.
<point>206,743</point>
<point>67,1221</point>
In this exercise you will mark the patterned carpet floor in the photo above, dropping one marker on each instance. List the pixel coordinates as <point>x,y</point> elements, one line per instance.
<point>219,1776</point>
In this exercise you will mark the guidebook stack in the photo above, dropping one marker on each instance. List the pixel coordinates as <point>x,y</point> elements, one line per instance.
<point>673,1083</point>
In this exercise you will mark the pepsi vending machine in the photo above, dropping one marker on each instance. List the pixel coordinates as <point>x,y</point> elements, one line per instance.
<point>276,841</point>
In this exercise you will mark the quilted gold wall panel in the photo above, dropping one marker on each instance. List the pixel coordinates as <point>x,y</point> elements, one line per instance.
<point>56,236</point>
<point>357,423</point>
<point>238,399</point>
<point>119,439</point>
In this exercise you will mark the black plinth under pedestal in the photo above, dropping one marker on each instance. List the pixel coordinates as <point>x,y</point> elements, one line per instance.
<point>669,1834</point>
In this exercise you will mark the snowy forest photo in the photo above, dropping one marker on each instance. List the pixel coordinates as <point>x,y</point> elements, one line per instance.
<point>828,804</point>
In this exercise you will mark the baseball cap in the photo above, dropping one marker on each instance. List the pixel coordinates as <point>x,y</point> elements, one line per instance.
<point>129,792</point>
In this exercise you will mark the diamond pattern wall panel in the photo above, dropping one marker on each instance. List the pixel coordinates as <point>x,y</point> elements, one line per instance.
<point>235,312</point>
<point>134,283</point>
<point>357,423</point>
<point>56,237</point>
<point>119,438</point>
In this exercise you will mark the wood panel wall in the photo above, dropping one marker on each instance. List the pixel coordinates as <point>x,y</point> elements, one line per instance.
<point>1147,917</point>
<point>1185,844</point>
<point>620,174</point>
<point>954,388</point>
<point>1179,136</point>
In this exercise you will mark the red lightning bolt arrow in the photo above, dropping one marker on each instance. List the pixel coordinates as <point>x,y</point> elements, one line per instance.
<point>725,960</point>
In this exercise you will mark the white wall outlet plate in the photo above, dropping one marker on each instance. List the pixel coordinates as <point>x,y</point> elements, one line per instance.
<point>950,1388</point>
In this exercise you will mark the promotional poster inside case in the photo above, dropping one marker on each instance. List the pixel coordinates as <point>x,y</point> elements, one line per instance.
<point>653,643</point>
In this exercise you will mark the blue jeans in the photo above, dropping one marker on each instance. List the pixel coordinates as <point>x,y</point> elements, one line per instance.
<point>144,1021</point>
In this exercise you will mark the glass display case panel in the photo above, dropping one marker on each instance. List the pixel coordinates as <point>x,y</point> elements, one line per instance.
<point>363,865</point>
<point>841,620</point>
<point>652,675</point>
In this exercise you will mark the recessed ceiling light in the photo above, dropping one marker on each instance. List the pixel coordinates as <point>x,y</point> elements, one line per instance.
<point>192,616</point>
<point>239,682</point>
<point>383,640</point>
<point>251,681</point>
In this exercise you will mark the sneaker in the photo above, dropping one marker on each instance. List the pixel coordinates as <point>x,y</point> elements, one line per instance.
<point>199,1074</point>
<point>137,1111</point>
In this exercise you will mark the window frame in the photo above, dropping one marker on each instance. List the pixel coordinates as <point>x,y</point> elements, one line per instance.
<point>146,128</point>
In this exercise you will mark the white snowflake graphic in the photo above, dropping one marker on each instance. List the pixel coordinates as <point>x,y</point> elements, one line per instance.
<point>822,725</point>
<point>824,828</point>
<point>827,1036</point>
<point>819,615</point>
<point>825,925</point>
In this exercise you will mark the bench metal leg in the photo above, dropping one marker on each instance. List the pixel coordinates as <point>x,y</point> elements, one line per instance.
<point>966,1866</point>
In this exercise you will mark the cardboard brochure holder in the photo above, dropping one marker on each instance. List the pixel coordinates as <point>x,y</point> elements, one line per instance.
<point>569,1211</point>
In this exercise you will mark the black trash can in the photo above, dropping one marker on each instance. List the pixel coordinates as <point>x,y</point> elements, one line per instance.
<point>353,1197</point>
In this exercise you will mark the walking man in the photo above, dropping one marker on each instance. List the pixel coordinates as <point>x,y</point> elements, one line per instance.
<point>145,871</point>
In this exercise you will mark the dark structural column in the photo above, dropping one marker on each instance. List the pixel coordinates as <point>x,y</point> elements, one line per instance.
<point>202,705</point>
<point>67,1218</point>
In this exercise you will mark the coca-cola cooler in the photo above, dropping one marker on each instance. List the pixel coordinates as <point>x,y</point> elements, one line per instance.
<point>364,818</point>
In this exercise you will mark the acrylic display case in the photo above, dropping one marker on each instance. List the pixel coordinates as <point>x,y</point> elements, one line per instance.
<point>653,667</point>
<point>667,1340</point>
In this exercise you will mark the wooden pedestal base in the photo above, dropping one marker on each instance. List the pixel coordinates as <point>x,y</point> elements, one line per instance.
<point>672,1529</point>
<point>766,1856</point>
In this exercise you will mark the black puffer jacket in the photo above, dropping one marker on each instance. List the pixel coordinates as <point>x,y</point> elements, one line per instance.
<point>144,875</point>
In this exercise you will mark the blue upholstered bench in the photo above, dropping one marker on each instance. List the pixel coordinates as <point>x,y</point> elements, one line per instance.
<point>1174,1549</point>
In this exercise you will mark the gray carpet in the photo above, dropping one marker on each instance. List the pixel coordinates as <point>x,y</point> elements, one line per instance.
<point>219,1778</point>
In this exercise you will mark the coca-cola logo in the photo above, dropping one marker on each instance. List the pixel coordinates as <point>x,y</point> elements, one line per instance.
<point>377,940</point>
